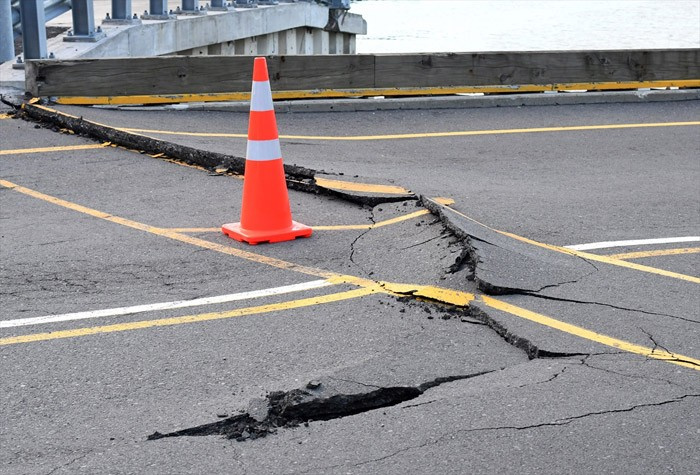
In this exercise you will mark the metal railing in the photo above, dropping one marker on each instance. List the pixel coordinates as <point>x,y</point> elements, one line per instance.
<point>37,12</point>
<point>52,9</point>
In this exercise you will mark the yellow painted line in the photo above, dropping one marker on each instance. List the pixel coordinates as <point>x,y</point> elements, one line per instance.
<point>586,255</point>
<point>19,151</point>
<point>367,287</point>
<point>463,133</point>
<point>440,294</point>
<point>398,219</point>
<point>361,187</point>
<point>657,353</point>
<point>339,227</point>
<point>335,227</point>
<point>195,230</point>
<point>463,299</point>
<point>204,317</point>
<point>232,251</point>
<point>633,266</point>
<point>659,252</point>
<point>372,92</point>
<point>459,133</point>
<point>186,134</point>
<point>606,259</point>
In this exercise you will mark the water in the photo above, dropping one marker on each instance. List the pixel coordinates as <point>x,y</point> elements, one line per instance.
<point>406,26</point>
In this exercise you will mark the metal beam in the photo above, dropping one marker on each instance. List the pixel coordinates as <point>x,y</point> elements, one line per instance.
<point>7,40</point>
<point>33,29</point>
<point>83,23</point>
<point>121,9</point>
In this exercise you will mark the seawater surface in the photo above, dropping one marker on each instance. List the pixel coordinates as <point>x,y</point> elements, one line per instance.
<point>414,26</point>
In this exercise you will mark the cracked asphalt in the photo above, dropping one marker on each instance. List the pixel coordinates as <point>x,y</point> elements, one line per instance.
<point>411,336</point>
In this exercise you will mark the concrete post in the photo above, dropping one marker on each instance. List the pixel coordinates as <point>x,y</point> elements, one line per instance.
<point>320,42</point>
<point>7,42</point>
<point>288,41</point>
<point>33,28</point>
<point>305,41</point>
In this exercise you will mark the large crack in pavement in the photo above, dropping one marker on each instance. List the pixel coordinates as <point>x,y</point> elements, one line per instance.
<point>297,177</point>
<point>499,262</point>
<point>496,264</point>
<point>504,266</point>
<point>287,409</point>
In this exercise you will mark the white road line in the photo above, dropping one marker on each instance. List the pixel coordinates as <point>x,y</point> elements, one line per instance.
<point>635,242</point>
<point>112,312</point>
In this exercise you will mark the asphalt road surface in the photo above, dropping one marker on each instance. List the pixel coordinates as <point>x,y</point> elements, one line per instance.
<point>541,317</point>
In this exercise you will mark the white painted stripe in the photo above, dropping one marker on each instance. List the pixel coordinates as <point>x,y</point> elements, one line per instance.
<point>635,242</point>
<point>263,150</point>
<point>261,96</point>
<point>114,312</point>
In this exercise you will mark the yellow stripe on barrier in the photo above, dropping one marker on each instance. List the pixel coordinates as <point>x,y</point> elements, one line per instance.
<point>373,92</point>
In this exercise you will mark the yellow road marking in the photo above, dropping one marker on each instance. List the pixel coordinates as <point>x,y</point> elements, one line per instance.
<point>258,258</point>
<point>195,230</point>
<point>587,255</point>
<point>370,92</point>
<point>461,133</point>
<point>204,317</point>
<point>361,187</point>
<point>64,148</point>
<point>440,294</point>
<point>659,252</point>
<point>5,115</point>
<point>607,259</point>
<point>379,224</point>
<point>187,134</point>
<point>658,354</point>
<point>463,299</point>
<point>339,227</point>
<point>367,287</point>
<point>453,297</point>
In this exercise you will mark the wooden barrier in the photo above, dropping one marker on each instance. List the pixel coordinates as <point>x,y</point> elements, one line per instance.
<point>191,78</point>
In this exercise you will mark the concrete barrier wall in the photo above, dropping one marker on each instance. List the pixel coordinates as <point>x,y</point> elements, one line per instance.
<point>305,27</point>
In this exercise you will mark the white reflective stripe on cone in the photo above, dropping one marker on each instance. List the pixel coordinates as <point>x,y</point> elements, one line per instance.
<point>263,150</point>
<point>261,96</point>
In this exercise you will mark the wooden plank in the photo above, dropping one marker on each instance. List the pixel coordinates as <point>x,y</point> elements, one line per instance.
<point>193,74</point>
<point>229,74</point>
<point>294,73</point>
<point>489,69</point>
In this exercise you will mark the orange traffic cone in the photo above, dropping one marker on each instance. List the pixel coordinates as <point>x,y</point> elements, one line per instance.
<point>265,214</point>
